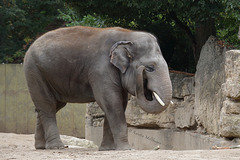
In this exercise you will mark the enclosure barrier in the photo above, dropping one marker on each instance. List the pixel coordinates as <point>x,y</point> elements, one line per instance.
<point>17,112</point>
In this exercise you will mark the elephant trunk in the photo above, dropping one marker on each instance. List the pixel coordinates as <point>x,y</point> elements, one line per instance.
<point>153,91</point>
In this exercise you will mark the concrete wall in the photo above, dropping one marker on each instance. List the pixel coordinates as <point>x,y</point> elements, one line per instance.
<point>17,110</point>
<point>165,139</point>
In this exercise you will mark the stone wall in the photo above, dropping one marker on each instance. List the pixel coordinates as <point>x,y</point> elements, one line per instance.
<point>207,103</point>
<point>229,124</point>
<point>183,90</point>
<point>183,98</point>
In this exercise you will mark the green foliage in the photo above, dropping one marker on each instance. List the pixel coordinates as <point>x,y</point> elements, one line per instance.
<point>176,23</point>
<point>74,19</point>
<point>190,22</point>
<point>15,58</point>
<point>20,22</point>
<point>229,22</point>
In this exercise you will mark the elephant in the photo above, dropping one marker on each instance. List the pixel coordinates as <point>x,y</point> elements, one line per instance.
<point>103,65</point>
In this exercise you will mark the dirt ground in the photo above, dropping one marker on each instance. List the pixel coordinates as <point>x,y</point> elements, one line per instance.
<point>15,146</point>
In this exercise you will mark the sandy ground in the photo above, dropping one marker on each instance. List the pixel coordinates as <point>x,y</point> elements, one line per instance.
<point>15,146</point>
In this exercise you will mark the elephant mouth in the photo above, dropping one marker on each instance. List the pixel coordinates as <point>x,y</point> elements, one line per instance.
<point>148,98</point>
<point>147,93</point>
<point>151,95</point>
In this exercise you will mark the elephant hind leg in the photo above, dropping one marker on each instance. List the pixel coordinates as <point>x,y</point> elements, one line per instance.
<point>46,133</point>
<point>39,135</point>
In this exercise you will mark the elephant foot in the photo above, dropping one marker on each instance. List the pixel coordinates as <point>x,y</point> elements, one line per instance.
<point>55,144</point>
<point>112,147</point>
<point>107,147</point>
<point>123,147</point>
<point>40,144</point>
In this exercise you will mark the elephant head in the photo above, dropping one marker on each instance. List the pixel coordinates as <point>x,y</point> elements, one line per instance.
<point>144,71</point>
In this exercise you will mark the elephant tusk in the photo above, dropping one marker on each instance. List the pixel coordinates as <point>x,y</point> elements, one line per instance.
<point>171,102</point>
<point>158,99</point>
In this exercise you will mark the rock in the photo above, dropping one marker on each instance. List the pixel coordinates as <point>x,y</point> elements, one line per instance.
<point>230,123</point>
<point>135,116</point>
<point>230,126</point>
<point>182,84</point>
<point>230,119</point>
<point>217,90</point>
<point>94,110</point>
<point>73,142</point>
<point>231,107</point>
<point>184,115</point>
<point>231,88</point>
<point>94,115</point>
<point>230,113</point>
<point>209,77</point>
<point>188,86</point>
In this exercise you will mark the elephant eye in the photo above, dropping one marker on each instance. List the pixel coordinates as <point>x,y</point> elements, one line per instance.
<point>150,68</point>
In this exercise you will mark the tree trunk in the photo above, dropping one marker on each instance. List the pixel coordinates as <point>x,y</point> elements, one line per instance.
<point>239,33</point>
<point>202,32</point>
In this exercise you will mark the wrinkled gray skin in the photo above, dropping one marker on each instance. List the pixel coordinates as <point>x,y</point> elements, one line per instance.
<point>83,64</point>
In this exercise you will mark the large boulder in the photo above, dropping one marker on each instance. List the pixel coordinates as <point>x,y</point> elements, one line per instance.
<point>231,87</point>
<point>183,91</point>
<point>184,115</point>
<point>183,87</point>
<point>74,142</point>
<point>230,119</point>
<point>209,77</point>
<point>183,84</point>
<point>94,115</point>
<point>135,116</point>
<point>217,90</point>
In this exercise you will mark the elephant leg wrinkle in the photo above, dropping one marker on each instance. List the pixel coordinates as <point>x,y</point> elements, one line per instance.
<point>39,135</point>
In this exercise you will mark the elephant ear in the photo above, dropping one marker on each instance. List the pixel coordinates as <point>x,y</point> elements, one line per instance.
<point>120,55</point>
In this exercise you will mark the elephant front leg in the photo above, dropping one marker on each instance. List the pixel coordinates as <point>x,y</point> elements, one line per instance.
<point>115,128</point>
<point>107,141</point>
<point>112,99</point>
<point>120,135</point>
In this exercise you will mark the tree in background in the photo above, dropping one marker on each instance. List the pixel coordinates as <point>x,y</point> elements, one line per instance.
<point>197,19</point>
<point>69,15</point>
<point>182,27</point>
<point>239,33</point>
<point>228,23</point>
<point>20,22</point>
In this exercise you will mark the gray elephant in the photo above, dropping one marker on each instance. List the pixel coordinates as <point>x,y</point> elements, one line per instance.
<point>84,64</point>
